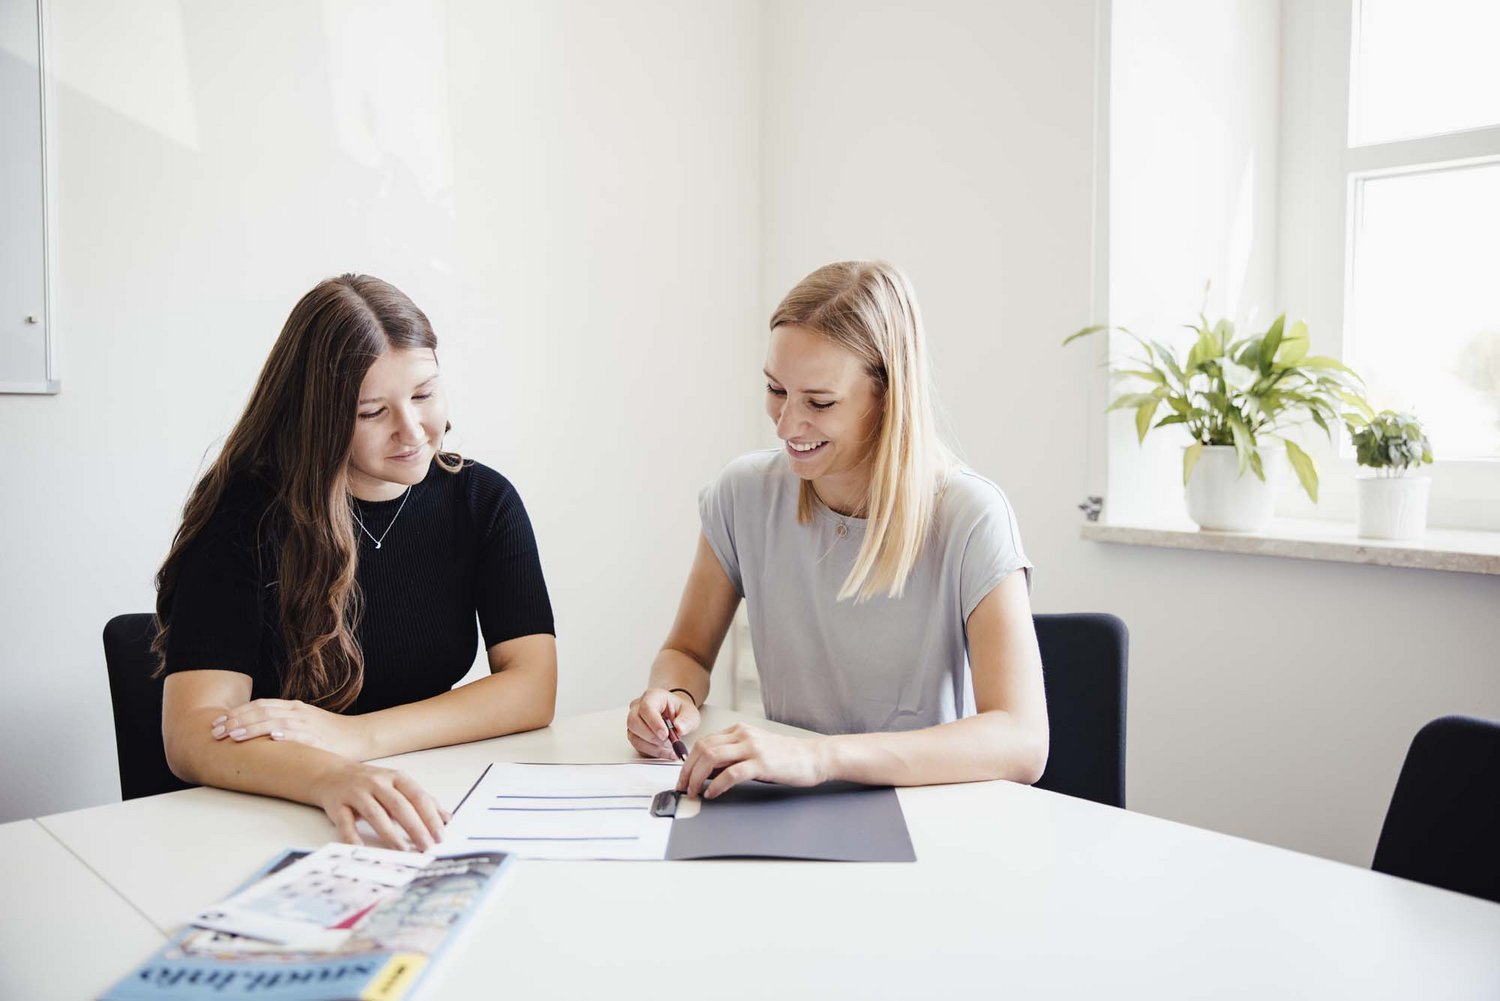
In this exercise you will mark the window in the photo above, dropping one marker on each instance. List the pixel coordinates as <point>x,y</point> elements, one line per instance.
<point>1422,68</point>
<point>1422,166</point>
<point>1424,301</point>
<point>1369,131</point>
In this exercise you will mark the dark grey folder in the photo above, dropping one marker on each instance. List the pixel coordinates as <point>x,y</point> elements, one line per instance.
<point>833,822</point>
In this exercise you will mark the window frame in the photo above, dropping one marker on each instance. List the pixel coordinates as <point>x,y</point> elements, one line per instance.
<point>1465,491</point>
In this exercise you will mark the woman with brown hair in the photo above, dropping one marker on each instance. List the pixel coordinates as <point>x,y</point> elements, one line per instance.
<point>320,598</point>
<point>887,588</point>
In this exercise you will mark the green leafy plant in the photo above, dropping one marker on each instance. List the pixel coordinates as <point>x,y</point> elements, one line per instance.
<point>1388,442</point>
<point>1245,393</point>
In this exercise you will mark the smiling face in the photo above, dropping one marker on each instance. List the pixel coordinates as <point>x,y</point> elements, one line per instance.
<point>399,424</point>
<point>827,409</point>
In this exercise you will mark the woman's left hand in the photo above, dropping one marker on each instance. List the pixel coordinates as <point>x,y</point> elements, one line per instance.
<point>741,753</point>
<point>285,719</point>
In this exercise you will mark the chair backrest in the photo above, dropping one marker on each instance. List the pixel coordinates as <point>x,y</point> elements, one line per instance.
<point>1443,824</point>
<point>136,699</point>
<point>1084,667</point>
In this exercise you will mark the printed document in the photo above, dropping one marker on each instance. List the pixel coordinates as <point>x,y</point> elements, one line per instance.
<point>543,811</point>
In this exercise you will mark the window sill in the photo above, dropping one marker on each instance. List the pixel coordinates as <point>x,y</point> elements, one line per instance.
<point>1308,539</point>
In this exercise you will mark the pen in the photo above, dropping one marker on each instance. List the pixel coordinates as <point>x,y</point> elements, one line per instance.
<point>677,744</point>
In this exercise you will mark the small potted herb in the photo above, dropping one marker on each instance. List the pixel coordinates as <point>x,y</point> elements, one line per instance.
<point>1390,503</point>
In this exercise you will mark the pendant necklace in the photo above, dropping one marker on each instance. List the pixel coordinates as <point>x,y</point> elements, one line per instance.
<point>361,522</point>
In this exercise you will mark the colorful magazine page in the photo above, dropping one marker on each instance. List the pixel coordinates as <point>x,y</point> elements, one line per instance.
<point>317,900</point>
<point>381,956</point>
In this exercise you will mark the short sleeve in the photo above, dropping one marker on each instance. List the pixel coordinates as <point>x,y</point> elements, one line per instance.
<point>217,610</point>
<point>510,593</point>
<point>992,552</point>
<point>716,513</point>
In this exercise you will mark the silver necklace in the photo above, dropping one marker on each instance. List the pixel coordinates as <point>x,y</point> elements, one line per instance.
<point>361,522</point>
<point>842,528</point>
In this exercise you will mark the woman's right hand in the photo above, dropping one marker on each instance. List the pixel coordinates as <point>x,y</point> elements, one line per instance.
<point>400,812</point>
<point>644,726</point>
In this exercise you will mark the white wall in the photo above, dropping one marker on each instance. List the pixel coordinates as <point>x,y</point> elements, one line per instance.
<point>570,190</point>
<point>1268,698</point>
<point>1193,113</point>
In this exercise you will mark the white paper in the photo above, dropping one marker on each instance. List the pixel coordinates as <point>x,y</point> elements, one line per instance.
<point>313,902</point>
<point>544,811</point>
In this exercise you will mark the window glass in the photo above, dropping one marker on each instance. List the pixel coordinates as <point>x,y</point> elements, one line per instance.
<point>1425,302</point>
<point>1423,67</point>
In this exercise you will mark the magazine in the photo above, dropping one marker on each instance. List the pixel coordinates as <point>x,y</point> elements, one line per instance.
<point>315,902</point>
<point>377,951</point>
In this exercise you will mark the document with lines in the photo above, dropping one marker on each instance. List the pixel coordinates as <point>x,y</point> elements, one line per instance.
<point>545,811</point>
<point>605,811</point>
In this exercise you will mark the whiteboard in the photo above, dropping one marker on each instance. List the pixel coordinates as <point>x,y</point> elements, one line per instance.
<point>27,352</point>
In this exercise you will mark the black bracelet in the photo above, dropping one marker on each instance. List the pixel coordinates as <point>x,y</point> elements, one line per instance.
<point>689,694</point>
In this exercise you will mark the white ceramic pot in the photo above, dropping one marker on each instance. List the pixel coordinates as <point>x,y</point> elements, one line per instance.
<point>1391,507</point>
<point>1221,500</point>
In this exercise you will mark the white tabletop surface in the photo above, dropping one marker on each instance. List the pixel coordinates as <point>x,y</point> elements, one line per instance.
<point>1016,892</point>
<point>55,909</point>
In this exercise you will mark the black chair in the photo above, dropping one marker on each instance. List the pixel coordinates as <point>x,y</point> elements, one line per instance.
<point>1443,824</point>
<point>1084,667</point>
<point>136,699</point>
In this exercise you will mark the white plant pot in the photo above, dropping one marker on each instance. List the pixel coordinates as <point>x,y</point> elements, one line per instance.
<point>1391,507</point>
<point>1221,500</point>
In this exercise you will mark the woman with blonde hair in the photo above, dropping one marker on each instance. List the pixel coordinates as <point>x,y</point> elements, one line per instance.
<point>320,598</point>
<point>886,585</point>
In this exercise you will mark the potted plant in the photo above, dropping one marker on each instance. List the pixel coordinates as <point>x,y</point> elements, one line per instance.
<point>1389,503</point>
<point>1237,400</point>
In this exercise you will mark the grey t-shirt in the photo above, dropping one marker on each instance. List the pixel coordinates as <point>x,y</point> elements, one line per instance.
<point>840,667</point>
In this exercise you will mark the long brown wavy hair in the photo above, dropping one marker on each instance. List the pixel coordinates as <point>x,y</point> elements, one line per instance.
<point>295,437</point>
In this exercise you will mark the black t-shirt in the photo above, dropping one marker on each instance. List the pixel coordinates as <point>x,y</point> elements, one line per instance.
<point>462,548</point>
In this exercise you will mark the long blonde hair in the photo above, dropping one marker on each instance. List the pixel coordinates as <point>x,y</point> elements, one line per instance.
<point>869,309</point>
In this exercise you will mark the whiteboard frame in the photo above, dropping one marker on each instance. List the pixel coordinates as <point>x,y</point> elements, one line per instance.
<point>51,384</point>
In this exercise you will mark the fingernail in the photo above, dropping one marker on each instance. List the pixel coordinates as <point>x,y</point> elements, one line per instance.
<point>275,734</point>
<point>237,734</point>
<point>221,719</point>
<point>218,730</point>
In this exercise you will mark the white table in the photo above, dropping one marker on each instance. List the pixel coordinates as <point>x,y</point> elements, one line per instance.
<point>1016,892</point>
<point>56,910</point>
